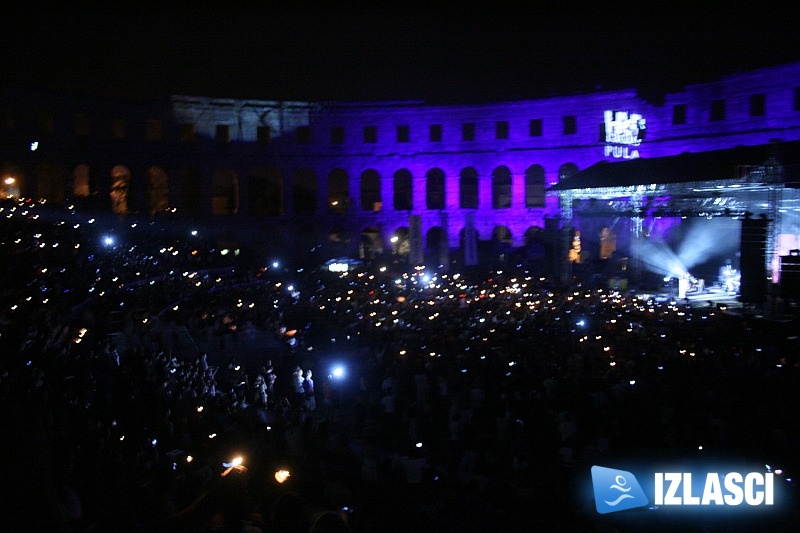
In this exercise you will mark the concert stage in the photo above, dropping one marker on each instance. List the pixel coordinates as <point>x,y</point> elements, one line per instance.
<point>714,296</point>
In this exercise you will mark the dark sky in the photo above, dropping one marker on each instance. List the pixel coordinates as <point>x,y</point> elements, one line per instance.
<point>449,54</point>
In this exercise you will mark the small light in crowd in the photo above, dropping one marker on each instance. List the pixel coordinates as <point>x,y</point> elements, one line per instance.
<point>199,408</point>
<point>212,435</point>
<point>632,382</point>
<point>189,458</point>
<point>236,461</point>
<point>235,464</point>
<point>282,475</point>
<point>699,447</point>
<point>419,445</point>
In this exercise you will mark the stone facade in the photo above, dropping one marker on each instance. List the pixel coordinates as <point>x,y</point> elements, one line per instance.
<point>349,175</point>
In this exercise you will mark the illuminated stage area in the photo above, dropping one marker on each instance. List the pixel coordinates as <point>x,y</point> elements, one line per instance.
<point>733,232</point>
<point>714,296</point>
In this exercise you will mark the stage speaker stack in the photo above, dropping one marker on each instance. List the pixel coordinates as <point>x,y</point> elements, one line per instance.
<point>753,287</point>
<point>554,249</point>
<point>790,276</point>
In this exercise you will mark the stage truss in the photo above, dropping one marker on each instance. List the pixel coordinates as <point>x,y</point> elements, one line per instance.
<point>767,191</point>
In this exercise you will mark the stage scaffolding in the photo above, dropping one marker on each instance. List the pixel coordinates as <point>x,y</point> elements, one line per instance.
<point>767,191</point>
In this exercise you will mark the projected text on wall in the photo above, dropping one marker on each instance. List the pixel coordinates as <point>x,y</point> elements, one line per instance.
<point>622,134</point>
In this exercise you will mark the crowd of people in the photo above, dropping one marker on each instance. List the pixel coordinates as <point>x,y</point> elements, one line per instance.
<point>145,389</point>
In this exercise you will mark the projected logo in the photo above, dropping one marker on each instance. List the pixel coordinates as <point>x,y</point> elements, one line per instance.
<point>616,490</point>
<point>622,132</point>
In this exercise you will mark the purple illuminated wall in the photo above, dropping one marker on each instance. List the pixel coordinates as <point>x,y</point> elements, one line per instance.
<point>554,134</point>
<point>278,157</point>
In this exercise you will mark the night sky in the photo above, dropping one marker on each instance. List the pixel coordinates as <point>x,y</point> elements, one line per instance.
<point>439,54</point>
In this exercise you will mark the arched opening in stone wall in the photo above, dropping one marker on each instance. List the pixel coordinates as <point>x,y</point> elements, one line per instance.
<point>157,190</point>
<point>256,194</point>
<point>403,191</point>
<point>338,243</point>
<point>271,196</point>
<point>120,187</point>
<point>535,250</point>
<point>224,193</point>
<point>12,181</point>
<point>81,182</point>
<point>501,188</point>
<point>468,189</point>
<point>534,236</point>
<point>567,170</point>
<point>338,191</point>
<point>371,191</point>
<point>502,241</point>
<point>371,244</point>
<point>51,183</point>
<point>534,187</point>
<point>401,243</point>
<point>434,189</point>
<point>304,192</point>
<point>465,247</point>
<point>265,192</point>
<point>306,241</point>
<point>192,199</point>
<point>436,246</point>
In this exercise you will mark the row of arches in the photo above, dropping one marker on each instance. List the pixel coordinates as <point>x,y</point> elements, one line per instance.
<point>436,194</point>
<point>266,190</point>
<point>374,241</point>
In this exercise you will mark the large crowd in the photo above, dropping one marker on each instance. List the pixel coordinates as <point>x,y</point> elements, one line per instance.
<point>136,375</point>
